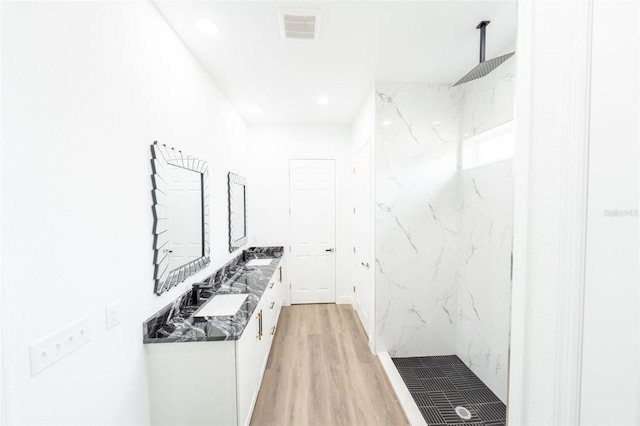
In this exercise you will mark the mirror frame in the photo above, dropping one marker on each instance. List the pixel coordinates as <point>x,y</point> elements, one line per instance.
<point>161,157</point>
<point>239,242</point>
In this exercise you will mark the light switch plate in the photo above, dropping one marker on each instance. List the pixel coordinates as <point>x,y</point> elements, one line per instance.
<point>113,314</point>
<point>51,349</point>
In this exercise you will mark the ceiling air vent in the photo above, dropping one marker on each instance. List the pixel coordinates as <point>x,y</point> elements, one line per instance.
<point>299,24</point>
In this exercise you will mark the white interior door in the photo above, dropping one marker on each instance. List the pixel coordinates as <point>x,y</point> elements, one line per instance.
<point>362,269</point>
<point>312,232</point>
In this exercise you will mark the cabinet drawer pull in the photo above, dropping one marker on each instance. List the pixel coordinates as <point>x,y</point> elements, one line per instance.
<point>271,285</point>
<point>273,330</point>
<point>259,318</point>
<point>272,304</point>
<point>280,269</point>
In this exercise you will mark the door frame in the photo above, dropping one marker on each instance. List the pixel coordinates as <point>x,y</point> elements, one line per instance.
<point>335,230</point>
<point>539,184</point>
<point>369,145</point>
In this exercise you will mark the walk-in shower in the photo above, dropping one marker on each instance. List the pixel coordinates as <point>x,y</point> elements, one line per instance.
<point>443,240</point>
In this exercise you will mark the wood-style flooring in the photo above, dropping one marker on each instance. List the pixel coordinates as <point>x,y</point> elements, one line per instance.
<point>321,372</point>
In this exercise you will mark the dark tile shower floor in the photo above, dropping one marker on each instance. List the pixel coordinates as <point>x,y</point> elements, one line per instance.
<point>438,384</point>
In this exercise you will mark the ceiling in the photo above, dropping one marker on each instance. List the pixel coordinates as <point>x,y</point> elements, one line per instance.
<point>360,42</point>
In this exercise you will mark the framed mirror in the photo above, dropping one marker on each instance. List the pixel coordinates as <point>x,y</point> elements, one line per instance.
<point>237,211</point>
<point>180,216</point>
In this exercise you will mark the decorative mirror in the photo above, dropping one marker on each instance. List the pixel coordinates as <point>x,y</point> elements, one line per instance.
<point>237,211</point>
<point>180,216</point>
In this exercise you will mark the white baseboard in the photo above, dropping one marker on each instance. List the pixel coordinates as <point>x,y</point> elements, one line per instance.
<point>411,410</point>
<point>344,300</point>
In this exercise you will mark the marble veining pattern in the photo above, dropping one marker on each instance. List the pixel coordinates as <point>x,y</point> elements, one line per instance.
<point>484,282</point>
<point>488,102</point>
<point>177,323</point>
<point>416,218</point>
<point>486,231</point>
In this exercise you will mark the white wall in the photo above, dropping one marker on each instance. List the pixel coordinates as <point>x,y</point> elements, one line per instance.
<point>611,356</point>
<point>270,149</point>
<point>363,135</point>
<point>416,218</point>
<point>86,88</point>
<point>363,127</point>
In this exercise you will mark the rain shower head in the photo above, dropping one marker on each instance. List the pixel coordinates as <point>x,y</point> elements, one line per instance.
<point>484,67</point>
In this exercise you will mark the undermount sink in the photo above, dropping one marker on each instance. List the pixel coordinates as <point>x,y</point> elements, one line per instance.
<point>259,262</point>
<point>222,305</point>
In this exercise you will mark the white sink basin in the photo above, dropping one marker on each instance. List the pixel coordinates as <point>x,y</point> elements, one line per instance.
<point>222,305</point>
<point>259,262</point>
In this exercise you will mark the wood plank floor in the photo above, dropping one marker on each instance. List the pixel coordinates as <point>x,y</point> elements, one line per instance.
<point>321,372</point>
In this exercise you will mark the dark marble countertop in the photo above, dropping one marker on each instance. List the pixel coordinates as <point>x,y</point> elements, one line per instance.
<point>177,322</point>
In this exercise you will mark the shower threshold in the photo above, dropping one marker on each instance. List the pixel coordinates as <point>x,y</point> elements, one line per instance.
<point>440,384</point>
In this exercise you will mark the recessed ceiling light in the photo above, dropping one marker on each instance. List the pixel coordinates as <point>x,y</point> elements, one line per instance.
<point>386,122</point>
<point>435,123</point>
<point>255,110</point>
<point>207,27</point>
<point>323,100</point>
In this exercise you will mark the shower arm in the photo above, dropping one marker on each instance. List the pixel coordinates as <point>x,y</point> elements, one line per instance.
<point>482,26</point>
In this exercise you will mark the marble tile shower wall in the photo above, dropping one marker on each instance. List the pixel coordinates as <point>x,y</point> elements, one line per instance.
<point>430,218</point>
<point>489,101</point>
<point>417,218</point>
<point>485,238</point>
<point>484,283</point>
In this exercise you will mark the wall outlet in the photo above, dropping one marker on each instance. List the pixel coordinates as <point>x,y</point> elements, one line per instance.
<point>50,350</point>
<point>112,312</point>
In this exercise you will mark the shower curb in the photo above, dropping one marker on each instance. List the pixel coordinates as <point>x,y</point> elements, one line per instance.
<point>410,408</point>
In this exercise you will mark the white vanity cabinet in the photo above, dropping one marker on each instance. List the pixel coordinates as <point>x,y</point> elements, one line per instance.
<point>215,382</point>
<point>252,352</point>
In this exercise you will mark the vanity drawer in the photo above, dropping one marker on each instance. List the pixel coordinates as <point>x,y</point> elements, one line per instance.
<point>275,296</point>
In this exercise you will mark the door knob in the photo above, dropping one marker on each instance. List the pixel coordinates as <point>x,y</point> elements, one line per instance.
<point>331,250</point>
<point>365,264</point>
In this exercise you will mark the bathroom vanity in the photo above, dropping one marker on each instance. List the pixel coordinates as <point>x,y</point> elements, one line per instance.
<point>206,358</point>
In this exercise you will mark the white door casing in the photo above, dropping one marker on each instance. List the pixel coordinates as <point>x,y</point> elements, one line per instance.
<point>362,261</point>
<point>550,162</point>
<point>312,231</point>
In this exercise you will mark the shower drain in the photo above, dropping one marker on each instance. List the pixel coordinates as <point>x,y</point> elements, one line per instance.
<point>463,413</point>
